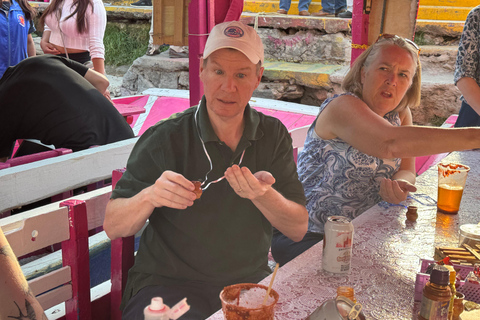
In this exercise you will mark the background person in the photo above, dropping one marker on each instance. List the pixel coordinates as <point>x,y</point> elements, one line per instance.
<point>361,148</point>
<point>193,248</point>
<point>76,28</point>
<point>302,7</point>
<point>467,71</point>
<point>331,8</point>
<point>16,28</point>
<point>57,101</point>
<point>16,299</point>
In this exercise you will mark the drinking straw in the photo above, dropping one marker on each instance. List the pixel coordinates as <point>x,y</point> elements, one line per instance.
<point>271,283</point>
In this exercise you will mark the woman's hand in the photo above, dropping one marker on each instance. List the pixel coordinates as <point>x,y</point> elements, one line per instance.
<point>395,191</point>
<point>47,47</point>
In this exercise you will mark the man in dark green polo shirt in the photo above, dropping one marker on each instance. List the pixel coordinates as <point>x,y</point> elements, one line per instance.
<point>193,248</point>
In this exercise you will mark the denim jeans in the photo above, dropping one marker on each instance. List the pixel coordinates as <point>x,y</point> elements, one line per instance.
<point>333,6</point>
<point>284,249</point>
<point>467,117</point>
<point>302,4</point>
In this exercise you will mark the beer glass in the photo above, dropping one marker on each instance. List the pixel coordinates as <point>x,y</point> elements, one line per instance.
<point>451,182</point>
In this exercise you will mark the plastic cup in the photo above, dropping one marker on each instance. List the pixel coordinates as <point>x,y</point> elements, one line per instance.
<point>451,182</point>
<point>236,305</point>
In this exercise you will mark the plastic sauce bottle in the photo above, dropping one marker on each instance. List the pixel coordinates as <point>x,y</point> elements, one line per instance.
<point>347,292</point>
<point>453,278</point>
<point>157,310</point>
<point>436,295</point>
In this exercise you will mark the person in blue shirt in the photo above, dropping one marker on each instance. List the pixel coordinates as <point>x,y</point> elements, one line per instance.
<point>16,28</point>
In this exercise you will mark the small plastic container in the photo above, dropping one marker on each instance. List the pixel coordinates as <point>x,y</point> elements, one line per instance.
<point>469,234</point>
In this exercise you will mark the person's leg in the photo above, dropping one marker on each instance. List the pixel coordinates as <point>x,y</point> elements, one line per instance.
<point>467,117</point>
<point>150,32</point>
<point>203,300</point>
<point>285,4</point>
<point>303,5</point>
<point>328,6</point>
<point>328,9</point>
<point>284,249</point>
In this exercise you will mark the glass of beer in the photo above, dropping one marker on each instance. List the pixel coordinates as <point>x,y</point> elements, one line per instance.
<point>246,301</point>
<point>451,181</point>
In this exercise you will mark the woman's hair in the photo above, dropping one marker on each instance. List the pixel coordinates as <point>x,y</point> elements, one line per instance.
<point>27,9</point>
<point>81,7</point>
<point>353,80</point>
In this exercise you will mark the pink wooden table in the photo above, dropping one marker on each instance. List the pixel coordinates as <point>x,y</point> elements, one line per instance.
<point>386,254</point>
<point>157,108</point>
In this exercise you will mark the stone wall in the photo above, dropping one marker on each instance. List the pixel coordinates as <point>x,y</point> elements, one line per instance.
<point>440,98</point>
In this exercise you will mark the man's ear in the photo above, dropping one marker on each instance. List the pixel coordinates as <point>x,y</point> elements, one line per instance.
<point>201,68</point>
<point>259,77</point>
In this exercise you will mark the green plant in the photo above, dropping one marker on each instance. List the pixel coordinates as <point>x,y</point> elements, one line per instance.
<point>125,42</point>
<point>420,38</point>
<point>437,121</point>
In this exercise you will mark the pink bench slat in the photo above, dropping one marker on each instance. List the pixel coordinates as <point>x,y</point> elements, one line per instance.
<point>35,157</point>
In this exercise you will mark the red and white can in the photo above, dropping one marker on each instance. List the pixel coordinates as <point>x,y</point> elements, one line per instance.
<point>337,244</point>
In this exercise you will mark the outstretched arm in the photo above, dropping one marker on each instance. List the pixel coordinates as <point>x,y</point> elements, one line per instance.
<point>351,120</point>
<point>16,298</point>
<point>97,79</point>
<point>287,216</point>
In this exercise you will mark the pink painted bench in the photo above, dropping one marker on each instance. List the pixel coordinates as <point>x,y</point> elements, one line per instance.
<point>162,107</point>
<point>69,284</point>
<point>34,157</point>
<point>67,222</point>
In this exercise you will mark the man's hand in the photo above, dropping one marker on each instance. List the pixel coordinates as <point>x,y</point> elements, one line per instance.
<point>248,185</point>
<point>172,190</point>
<point>395,191</point>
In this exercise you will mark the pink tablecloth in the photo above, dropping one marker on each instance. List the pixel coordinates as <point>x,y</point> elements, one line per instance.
<point>386,254</point>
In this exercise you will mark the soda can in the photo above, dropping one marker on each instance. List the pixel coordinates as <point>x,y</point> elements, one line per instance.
<point>337,245</point>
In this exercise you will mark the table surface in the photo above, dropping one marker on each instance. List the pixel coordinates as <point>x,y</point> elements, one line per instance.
<point>386,253</point>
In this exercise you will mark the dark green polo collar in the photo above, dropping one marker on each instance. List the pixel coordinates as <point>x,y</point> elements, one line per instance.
<point>251,131</point>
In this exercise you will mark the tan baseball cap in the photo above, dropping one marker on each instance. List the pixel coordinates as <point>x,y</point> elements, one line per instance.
<point>235,35</point>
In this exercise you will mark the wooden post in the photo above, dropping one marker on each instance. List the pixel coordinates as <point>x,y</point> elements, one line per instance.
<point>399,17</point>
<point>198,33</point>
<point>360,20</point>
<point>170,22</point>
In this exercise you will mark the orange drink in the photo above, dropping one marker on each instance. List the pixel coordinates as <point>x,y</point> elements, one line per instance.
<point>451,182</point>
<point>449,198</point>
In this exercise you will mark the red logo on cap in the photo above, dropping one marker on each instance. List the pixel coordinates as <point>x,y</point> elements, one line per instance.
<point>233,32</point>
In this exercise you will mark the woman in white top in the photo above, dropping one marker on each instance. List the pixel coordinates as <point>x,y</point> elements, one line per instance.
<point>75,28</point>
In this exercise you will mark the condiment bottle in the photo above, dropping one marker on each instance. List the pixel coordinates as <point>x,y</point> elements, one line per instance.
<point>453,278</point>
<point>347,292</point>
<point>412,214</point>
<point>157,310</point>
<point>436,295</point>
